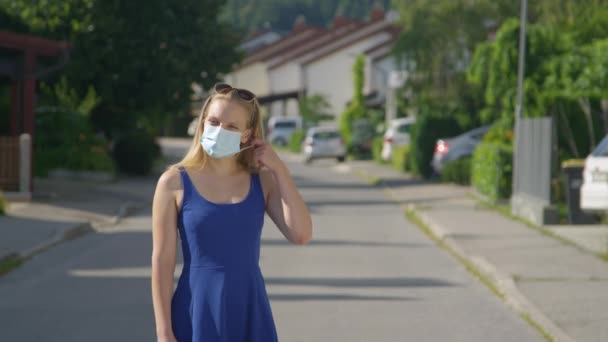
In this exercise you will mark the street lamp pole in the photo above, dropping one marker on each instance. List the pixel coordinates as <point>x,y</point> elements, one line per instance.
<point>521,66</point>
<point>520,90</point>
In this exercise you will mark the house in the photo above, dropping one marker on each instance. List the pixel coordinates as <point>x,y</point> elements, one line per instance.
<point>312,60</point>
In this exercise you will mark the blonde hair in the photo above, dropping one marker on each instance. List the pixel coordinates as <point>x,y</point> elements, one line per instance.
<point>197,157</point>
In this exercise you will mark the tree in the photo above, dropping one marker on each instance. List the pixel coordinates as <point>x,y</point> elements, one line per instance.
<point>140,56</point>
<point>356,108</point>
<point>315,108</point>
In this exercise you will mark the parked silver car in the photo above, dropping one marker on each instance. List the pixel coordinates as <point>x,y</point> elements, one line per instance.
<point>281,128</point>
<point>323,142</point>
<point>457,147</point>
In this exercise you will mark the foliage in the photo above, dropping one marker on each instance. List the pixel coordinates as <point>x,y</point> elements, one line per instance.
<point>295,141</point>
<point>457,171</point>
<point>141,56</point>
<point>492,168</point>
<point>280,15</point>
<point>425,133</point>
<point>65,139</point>
<point>377,149</point>
<point>3,204</point>
<point>315,108</point>
<point>356,108</point>
<point>135,152</point>
<point>66,98</point>
<point>400,159</point>
<point>64,136</point>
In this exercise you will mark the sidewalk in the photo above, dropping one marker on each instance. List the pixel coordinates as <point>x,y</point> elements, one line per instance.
<point>559,286</point>
<point>62,209</point>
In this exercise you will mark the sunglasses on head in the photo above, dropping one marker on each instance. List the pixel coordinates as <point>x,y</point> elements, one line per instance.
<point>244,94</point>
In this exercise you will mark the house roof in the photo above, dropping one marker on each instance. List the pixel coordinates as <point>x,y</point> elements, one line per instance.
<point>371,29</point>
<point>384,48</point>
<point>286,43</point>
<point>316,42</point>
<point>41,46</point>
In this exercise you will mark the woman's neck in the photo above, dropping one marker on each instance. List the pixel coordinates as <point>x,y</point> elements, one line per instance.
<point>223,166</point>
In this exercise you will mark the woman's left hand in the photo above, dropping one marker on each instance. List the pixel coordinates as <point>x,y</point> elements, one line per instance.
<point>266,156</point>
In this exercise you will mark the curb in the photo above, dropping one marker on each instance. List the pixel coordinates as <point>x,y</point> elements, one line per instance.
<point>126,209</point>
<point>502,282</point>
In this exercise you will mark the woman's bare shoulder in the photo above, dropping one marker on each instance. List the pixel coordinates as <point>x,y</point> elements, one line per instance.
<point>170,180</point>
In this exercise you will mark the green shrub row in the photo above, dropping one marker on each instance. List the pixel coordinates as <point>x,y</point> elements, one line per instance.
<point>295,142</point>
<point>400,158</point>
<point>457,171</point>
<point>425,133</point>
<point>492,168</point>
<point>3,204</point>
<point>65,139</point>
<point>377,149</point>
<point>135,152</point>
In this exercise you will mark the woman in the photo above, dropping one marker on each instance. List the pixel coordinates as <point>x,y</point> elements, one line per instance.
<point>216,198</point>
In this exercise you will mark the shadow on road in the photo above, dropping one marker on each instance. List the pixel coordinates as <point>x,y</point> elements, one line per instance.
<point>349,243</point>
<point>341,297</point>
<point>360,282</point>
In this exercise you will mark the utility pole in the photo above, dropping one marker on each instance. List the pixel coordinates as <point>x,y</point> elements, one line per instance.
<point>520,90</point>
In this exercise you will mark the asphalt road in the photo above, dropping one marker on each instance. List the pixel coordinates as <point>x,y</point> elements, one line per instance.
<point>368,275</point>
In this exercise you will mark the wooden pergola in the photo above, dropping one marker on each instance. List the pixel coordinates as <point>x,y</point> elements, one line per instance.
<point>22,68</point>
<point>20,63</point>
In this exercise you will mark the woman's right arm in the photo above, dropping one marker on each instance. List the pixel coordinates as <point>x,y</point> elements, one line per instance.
<point>164,247</point>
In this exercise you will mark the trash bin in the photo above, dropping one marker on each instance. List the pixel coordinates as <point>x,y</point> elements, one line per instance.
<point>573,171</point>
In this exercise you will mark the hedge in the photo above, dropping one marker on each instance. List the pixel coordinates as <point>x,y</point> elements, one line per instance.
<point>492,169</point>
<point>295,141</point>
<point>136,152</point>
<point>425,133</point>
<point>3,204</point>
<point>400,158</point>
<point>377,149</point>
<point>457,171</point>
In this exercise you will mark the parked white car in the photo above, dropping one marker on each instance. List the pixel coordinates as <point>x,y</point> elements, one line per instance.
<point>397,134</point>
<point>280,129</point>
<point>594,190</point>
<point>323,142</point>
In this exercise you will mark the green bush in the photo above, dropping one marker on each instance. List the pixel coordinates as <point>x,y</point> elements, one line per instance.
<point>295,141</point>
<point>64,139</point>
<point>457,171</point>
<point>400,159</point>
<point>492,168</point>
<point>377,149</point>
<point>425,133</point>
<point>3,204</point>
<point>136,152</point>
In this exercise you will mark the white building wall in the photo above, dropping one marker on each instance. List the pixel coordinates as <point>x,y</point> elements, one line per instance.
<point>379,72</point>
<point>287,77</point>
<point>332,77</point>
<point>253,77</point>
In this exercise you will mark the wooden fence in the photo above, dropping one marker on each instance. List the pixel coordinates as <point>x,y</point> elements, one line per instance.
<point>9,163</point>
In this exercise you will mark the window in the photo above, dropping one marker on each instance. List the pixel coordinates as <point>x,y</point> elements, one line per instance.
<point>285,124</point>
<point>404,128</point>
<point>326,135</point>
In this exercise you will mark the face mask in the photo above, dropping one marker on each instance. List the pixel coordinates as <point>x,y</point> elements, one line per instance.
<point>220,143</point>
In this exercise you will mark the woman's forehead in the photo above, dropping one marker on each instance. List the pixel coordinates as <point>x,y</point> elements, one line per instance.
<point>227,110</point>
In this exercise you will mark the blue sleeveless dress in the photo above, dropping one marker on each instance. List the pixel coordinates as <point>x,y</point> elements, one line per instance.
<point>221,294</point>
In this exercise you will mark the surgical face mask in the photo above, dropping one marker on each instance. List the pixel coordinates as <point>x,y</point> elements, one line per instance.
<point>220,143</point>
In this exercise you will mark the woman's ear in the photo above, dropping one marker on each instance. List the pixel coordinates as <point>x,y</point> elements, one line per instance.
<point>246,136</point>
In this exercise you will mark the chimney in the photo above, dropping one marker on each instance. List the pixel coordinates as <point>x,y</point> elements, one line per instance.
<point>299,24</point>
<point>377,12</point>
<point>340,19</point>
